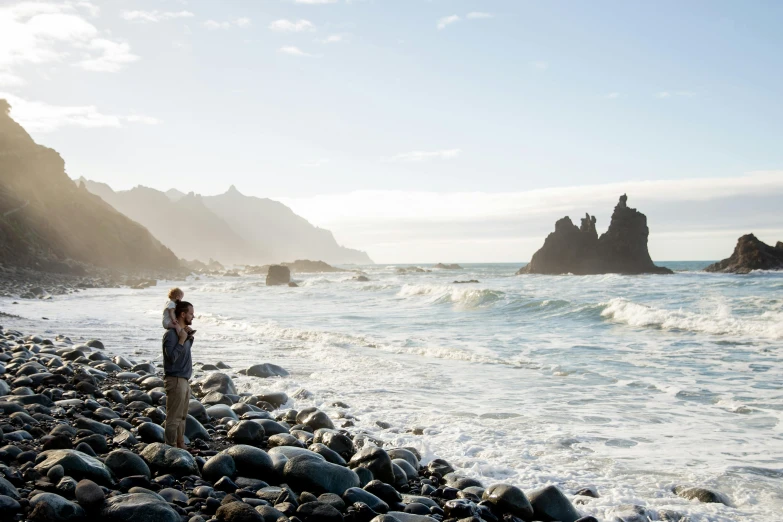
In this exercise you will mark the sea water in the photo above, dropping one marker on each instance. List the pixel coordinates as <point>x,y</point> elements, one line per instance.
<point>628,384</point>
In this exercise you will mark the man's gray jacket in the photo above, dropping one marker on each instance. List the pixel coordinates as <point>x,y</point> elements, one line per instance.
<point>176,357</point>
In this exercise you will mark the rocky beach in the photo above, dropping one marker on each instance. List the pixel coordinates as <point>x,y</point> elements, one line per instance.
<point>83,439</point>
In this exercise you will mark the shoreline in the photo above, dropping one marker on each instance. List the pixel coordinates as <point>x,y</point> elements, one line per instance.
<point>83,436</point>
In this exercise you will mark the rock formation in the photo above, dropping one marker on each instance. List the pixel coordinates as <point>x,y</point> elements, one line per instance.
<point>49,223</point>
<point>622,249</point>
<point>750,254</point>
<point>278,275</point>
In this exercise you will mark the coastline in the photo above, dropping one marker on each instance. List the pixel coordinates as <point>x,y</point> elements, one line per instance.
<point>82,436</point>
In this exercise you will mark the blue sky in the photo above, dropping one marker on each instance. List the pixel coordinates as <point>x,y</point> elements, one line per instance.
<point>407,101</point>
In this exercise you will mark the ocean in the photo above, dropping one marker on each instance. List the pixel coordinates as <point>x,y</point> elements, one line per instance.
<point>628,384</point>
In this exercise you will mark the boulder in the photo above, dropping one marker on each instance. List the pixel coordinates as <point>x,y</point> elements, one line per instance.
<point>353,495</point>
<point>218,382</point>
<point>550,503</point>
<point>750,254</point>
<point>135,507</point>
<point>238,512</point>
<point>278,275</point>
<point>8,490</point>
<point>8,507</point>
<point>509,499</point>
<point>377,461</point>
<point>124,463</point>
<point>622,249</point>
<point>48,507</point>
<point>220,411</point>
<point>75,464</point>
<point>247,432</point>
<point>318,512</point>
<point>305,473</point>
<point>89,495</point>
<point>251,462</point>
<point>314,418</point>
<point>218,466</point>
<point>702,495</point>
<point>266,370</point>
<point>165,459</point>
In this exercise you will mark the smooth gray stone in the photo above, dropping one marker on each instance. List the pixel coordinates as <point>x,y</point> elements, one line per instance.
<point>305,473</point>
<point>252,462</point>
<point>7,489</point>
<point>410,517</point>
<point>220,411</point>
<point>75,464</point>
<point>509,499</point>
<point>402,453</point>
<point>409,470</point>
<point>48,507</point>
<point>138,507</point>
<point>550,503</point>
<point>169,460</point>
<point>124,463</point>
<point>353,495</point>
<point>377,461</point>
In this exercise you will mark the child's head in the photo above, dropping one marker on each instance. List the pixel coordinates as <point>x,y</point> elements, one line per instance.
<point>175,294</point>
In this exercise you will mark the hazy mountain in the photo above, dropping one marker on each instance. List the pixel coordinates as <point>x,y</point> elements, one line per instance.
<point>206,235</point>
<point>285,235</point>
<point>46,220</point>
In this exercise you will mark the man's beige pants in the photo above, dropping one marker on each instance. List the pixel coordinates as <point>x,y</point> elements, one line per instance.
<point>177,401</point>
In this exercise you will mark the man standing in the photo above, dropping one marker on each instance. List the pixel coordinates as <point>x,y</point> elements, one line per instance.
<point>178,367</point>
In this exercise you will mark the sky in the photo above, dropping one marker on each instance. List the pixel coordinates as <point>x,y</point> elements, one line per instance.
<point>421,130</point>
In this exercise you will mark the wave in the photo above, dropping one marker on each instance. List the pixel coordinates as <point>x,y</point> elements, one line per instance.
<point>721,321</point>
<point>463,296</point>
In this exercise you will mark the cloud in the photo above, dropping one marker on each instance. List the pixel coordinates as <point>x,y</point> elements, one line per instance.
<point>417,156</point>
<point>213,25</point>
<point>155,16</point>
<point>288,26</point>
<point>8,79</point>
<point>688,218</point>
<point>110,56</point>
<point>478,15</point>
<point>46,32</point>
<point>447,20</point>
<point>316,163</point>
<point>669,94</point>
<point>334,38</point>
<point>293,51</point>
<point>37,116</point>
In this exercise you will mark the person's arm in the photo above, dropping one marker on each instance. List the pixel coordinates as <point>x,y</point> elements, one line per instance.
<point>172,316</point>
<point>173,344</point>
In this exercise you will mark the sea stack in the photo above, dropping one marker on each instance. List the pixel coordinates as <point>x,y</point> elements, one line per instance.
<point>622,249</point>
<point>750,254</point>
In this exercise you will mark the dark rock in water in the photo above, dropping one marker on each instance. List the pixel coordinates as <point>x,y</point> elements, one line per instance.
<point>270,427</point>
<point>460,508</point>
<point>702,495</point>
<point>631,513</point>
<point>550,503</point>
<point>89,495</point>
<point>314,418</point>
<point>451,266</point>
<point>400,477</point>
<point>377,461</point>
<point>402,453</point>
<point>218,382</point>
<point>138,507</point>
<point>318,512</point>
<point>465,282</point>
<point>221,465</point>
<point>266,370</point>
<point>75,464</point>
<point>247,432</point>
<point>622,249</point>
<point>166,459</point>
<point>410,471</point>
<point>251,462</point>
<point>353,495</point>
<point>335,441</point>
<point>276,399</point>
<point>750,254</point>
<point>278,275</point>
<point>440,466</point>
<point>124,463</point>
<point>458,481</point>
<point>95,343</point>
<point>305,473</point>
<point>48,507</point>
<point>509,499</point>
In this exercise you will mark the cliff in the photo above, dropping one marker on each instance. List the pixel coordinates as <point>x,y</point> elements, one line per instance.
<point>750,254</point>
<point>622,249</point>
<point>282,233</point>
<point>49,223</point>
